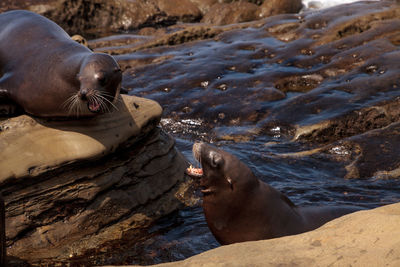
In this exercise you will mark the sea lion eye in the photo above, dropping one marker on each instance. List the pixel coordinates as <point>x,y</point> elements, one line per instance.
<point>101,78</point>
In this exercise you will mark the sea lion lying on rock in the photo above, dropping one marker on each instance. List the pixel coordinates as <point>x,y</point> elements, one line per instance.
<point>239,207</point>
<point>48,74</point>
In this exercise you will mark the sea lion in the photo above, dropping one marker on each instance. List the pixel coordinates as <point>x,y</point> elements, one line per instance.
<point>48,74</point>
<point>239,207</point>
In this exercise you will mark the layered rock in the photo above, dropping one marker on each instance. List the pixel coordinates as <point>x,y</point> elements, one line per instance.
<point>97,17</point>
<point>71,187</point>
<point>346,241</point>
<point>222,14</point>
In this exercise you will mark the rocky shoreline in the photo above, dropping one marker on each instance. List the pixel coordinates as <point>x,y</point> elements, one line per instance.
<point>326,81</point>
<point>97,17</point>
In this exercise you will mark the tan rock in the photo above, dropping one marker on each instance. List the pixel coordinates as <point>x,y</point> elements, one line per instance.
<point>222,14</point>
<point>204,5</point>
<point>365,238</point>
<point>31,146</point>
<point>275,7</point>
<point>179,8</point>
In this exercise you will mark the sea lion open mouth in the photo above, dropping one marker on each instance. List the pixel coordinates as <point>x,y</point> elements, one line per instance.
<point>192,171</point>
<point>93,106</point>
<point>198,173</point>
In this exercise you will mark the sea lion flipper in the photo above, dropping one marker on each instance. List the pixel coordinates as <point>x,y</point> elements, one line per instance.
<point>7,105</point>
<point>3,93</point>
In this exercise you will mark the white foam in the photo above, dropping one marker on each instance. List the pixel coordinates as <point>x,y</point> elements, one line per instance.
<point>320,4</point>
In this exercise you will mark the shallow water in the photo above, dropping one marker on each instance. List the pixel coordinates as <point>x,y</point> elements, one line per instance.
<point>307,181</point>
<point>320,4</point>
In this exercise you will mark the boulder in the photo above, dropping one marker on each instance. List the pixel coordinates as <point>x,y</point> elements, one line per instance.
<point>204,5</point>
<point>236,12</point>
<point>179,10</point>
<point>97,17</point>
<point>365,238</point>
<point>75,186</point>
<point>275,7</point>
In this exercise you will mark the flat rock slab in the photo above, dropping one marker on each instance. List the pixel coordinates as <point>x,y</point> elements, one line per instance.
<point>365,238</point>
<point>31,146</point>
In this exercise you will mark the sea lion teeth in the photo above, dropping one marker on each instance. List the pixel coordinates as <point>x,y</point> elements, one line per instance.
<point>196,172</point>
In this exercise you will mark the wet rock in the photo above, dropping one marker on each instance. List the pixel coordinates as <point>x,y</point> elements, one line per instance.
<point>275,7</point>
<point>98,17</point>
<point>71,187</point>
<point>301,55</point>
<point>345,241</point>
<point>222,14</point>
<point>181,10</point>
<point>363,150</point>
<point>204,5</point>
<point>333,76</point>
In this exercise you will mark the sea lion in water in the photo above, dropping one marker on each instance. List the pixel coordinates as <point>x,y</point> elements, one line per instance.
<point>239,207</point>
<point>48,74</point>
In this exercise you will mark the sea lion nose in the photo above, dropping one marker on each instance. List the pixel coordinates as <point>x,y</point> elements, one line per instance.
<point>83,94</point>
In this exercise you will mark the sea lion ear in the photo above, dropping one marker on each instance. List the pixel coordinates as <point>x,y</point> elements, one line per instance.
<point>217,160</point>
<point>230,182</point>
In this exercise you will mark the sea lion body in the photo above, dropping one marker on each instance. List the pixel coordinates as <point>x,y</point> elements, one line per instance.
<point>42,68</point>
<point>239,207</point>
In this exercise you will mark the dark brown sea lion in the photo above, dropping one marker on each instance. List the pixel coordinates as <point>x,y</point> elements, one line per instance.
<point>239,207</point>
<point>48,74</point>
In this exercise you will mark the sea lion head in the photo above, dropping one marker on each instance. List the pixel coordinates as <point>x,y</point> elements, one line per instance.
<point>100,81</point>
<point>221,171</point>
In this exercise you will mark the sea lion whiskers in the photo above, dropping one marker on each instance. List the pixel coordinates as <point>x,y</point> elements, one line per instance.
<point>102,102</point>
<point>104,95</point>
<point>72,104</point>
<point>116,99</point>
<point>103,106</point>
<point>77,106</point>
